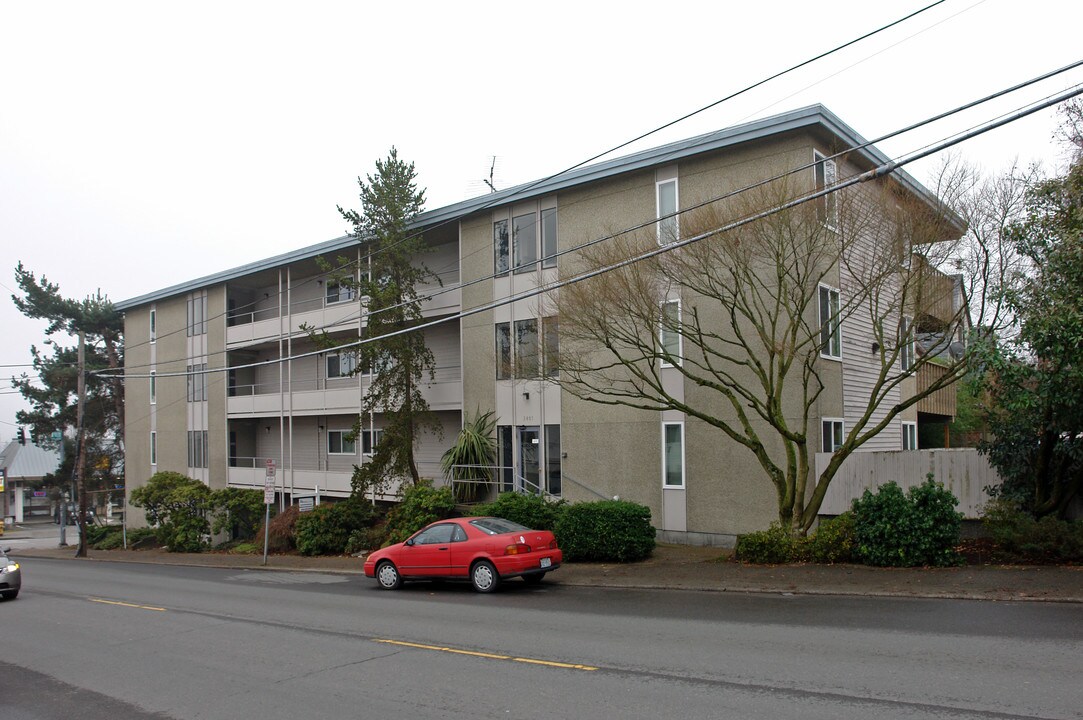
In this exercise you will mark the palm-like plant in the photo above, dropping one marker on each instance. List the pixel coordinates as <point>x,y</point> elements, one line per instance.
<point>472,457</point>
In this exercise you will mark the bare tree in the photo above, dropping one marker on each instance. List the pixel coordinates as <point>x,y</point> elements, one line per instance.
<point>763,309</point>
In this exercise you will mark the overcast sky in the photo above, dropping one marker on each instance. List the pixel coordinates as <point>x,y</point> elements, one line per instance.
<point>143,144</point>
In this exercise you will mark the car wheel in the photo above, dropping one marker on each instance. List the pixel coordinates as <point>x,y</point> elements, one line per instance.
<point>534,579</point>
<point>483,577</point>
<point>387,575</point>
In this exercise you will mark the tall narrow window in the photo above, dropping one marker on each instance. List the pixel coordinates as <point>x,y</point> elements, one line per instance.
<point>669,333</point>
<point>206,451</point>
<point>526,349</point>
<point>524,240</point>
<point>503,351</point>
<point>153,387</point>
<point>197,315</point>
<point>832,432</point>
<point>552,459</point>
<point>906,346</point>
<point>826,176</point>
<point>370,439</point>
<point>673,454</point>
<point>504,447</point>
<point>549,237</point>
<point>551,346</point>
<point>153,325</point>
<point>669,228</point>
<point>500,247</point>
<point>153,448</point>
<point>830,330</point>
<point>909,436</point>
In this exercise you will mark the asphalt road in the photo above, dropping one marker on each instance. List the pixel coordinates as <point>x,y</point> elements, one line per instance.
<point>140,641</point>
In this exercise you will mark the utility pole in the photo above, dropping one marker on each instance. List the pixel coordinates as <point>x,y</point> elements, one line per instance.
<point>80,463</point>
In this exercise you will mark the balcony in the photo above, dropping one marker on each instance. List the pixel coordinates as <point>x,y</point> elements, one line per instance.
<point>941,402</point>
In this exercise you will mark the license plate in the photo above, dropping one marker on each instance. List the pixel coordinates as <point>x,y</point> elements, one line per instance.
<point>546,562</point>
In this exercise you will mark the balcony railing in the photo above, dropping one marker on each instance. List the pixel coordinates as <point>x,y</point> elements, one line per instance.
<point>940,402</point>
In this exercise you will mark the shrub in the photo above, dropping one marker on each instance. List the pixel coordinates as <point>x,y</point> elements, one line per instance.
<point>833,541</point>
<point>605,531</point>
<point>281,533</point>
<point>178,506</point>
<point>534,511</point>
<point>247,548</point>
<point>1019,537</point>
<point>421,504</point>
<point>894,529</point>
<point>766,547</point>
<point>326,530</point>
<point>238,510</point>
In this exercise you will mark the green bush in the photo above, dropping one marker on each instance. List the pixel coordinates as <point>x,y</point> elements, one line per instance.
<point>178,506</point>
<point>772,546</point>
<point>281,536</point>
<point>534,511</point>
<point>247,548</point>
<point>920,527</point>
<point>833,541</point>
<point>238,510</point>
<point>1019,537</point>
<point>421,504</point>
<point>326,530</point>
<point>605,531</point>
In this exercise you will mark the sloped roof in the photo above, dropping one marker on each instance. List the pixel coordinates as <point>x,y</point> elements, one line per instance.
<point>802,118</point>
<point>28,461</point>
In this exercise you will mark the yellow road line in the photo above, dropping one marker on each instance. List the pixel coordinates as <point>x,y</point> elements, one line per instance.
<point>124,604</point>
<point>489,656</point>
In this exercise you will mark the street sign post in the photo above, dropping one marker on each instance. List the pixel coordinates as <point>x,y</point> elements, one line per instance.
<point>268,500</point>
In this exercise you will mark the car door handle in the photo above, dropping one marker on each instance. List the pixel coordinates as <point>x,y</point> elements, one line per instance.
<point>443,548</point>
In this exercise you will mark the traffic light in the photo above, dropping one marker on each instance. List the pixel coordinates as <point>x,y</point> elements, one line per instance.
<point>22,436</point>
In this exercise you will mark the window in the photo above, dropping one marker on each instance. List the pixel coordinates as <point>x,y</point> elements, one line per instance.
<point>551,346</point>
<point>440,534</point>
<point>526,349</point>
<point>153,325</point>
<point>669,228</point>
<point>153,387</point>
<point>340,365</point>
<point>504,447</point>
<point>552,459</point>
<point>906,346</point>
<point>524,240</point>
<point>669,334</point>
<point>197,315</point>
<point>337,293</point>
<point>198,450</point>
<point>503,351</point>
<point>830,323</point>
<point>826,176</point>
<point>910,436</point>
<point>341,442</point>
<point>673,454</point>
<point>370,439</point>
<point>197,382</point>
<point>832,435</point>
<point>549,237</point>
<point>153,448</point>
<point>500,247</point>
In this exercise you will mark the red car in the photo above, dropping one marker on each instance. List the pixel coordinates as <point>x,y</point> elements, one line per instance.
<point>484,550</point>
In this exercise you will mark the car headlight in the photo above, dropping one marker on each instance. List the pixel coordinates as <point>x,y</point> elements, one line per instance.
<point>9,568</point>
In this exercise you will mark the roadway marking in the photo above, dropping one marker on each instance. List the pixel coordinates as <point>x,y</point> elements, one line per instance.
<point>489,656</point>
<point>124,604</point>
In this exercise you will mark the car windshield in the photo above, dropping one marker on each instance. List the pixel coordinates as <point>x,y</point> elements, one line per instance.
<point>496,526</point>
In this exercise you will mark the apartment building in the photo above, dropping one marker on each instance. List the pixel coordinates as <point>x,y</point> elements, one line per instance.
<point>223,380</point>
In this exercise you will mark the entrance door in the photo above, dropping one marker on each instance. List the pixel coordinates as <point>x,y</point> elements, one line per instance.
<point>529,458</point>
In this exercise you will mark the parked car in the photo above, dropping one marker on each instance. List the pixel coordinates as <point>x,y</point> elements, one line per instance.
<point>11,578</point>
<point>484,550</point>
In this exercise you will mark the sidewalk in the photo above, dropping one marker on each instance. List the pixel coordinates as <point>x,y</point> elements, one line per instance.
<point>670,567</point>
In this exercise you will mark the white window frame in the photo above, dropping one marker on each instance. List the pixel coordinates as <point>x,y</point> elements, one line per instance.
<point>835,316</point>
<point>909,435</point>
<point>153,448</point>
<point>908,346</point>
<point>823,436</point>
<point>153,326</point>
<point>345,359</point>
<point>153,387</point>
<point>342,442</point>
<point>684,466</point>
<point>829,204</point>
<point>548,255</point>
<point>665,234</point>
<point>346,293</point>
<point>662,335</point>
<point>375,435</point>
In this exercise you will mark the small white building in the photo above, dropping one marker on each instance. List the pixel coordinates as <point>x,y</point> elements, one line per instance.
<point>21,465</point>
